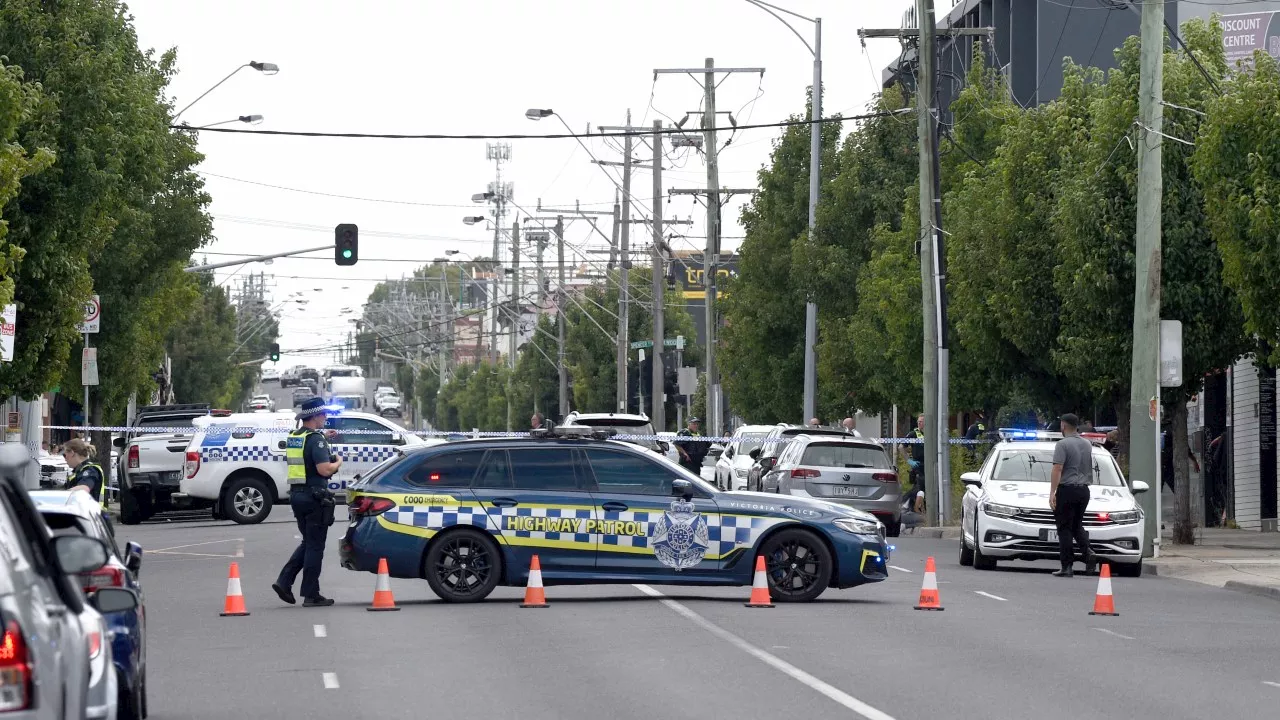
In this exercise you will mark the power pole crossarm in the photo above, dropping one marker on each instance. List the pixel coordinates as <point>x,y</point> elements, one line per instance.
<point>865,33</point>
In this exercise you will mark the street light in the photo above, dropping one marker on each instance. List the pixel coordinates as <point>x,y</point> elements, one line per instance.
<point>815,175</point>
<point>536,114</point>
<point>482,197</point>
<point>246,119</point>
<point>473,219</point>
<point>264,68</point>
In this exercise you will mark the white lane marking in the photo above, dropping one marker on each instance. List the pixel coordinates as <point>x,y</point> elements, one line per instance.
<point>211,542</point>
<point>330,680</point>
<point>900,569</point>
<point>320,631</point>
<point>1272,684</point>
<point>993,597</point>
<point>773,661</point>
<point>240,548</point>
<point>186,554</point>
<point>1116,634</point>
<point>780,647</point>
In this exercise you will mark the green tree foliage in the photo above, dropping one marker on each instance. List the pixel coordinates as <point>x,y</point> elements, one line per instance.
<point>536,382</point>
<point>199,345</point>
<point>17,101</point>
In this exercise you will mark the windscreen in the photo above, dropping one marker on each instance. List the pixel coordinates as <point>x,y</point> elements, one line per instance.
<point>1036,465</point>
<point>750,442</point>
<point>155,425</point>
<point>844,455</point>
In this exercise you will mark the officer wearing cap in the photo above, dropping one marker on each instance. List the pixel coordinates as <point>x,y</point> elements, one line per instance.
<point>311,464</point>
<point>692,452</point>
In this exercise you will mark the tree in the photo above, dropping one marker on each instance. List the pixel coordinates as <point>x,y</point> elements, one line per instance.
<point>198,345</point>
<point>17,101</point>
<point>536,381</point>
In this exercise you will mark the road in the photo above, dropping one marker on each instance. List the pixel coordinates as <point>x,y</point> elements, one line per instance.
<point>283,397</point>
<point>1014,643</point>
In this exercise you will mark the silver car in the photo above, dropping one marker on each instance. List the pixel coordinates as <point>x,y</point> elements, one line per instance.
<point>845,470</point>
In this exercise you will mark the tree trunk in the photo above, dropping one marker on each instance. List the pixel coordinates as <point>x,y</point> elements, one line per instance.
<point>1183,531</point>
<point>101,441</point>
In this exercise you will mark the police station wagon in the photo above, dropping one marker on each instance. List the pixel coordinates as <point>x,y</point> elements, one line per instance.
<point>469,516</point>
<point>236,463</point>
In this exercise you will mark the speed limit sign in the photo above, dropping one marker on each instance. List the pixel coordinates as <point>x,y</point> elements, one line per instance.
<point>92,315</point>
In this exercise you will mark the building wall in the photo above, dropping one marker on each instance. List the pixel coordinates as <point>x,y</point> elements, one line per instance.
<point>1254,509</point>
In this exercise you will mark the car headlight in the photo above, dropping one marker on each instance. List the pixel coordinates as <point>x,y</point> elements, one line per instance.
<point>995,510</point>
<point>740,472</point>
<point>858,526</point>
<point>1126,516</point>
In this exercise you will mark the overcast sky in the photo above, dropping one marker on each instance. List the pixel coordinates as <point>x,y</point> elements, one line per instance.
<point>470,67</point>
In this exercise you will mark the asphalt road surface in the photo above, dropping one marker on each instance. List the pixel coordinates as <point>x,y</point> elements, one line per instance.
<point>1013,643</point>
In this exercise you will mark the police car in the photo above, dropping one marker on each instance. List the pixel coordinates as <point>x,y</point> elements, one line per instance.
<point>236,463</point>
<point>1007,514</point>
<point>469,516</point>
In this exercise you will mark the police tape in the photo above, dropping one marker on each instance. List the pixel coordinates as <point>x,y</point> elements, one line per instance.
<point>248,431</point>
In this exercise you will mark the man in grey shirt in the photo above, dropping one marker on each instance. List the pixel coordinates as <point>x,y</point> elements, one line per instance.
<point>1069,494</point>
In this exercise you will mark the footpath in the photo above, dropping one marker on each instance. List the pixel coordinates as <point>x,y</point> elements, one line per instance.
<point>1241,560</point>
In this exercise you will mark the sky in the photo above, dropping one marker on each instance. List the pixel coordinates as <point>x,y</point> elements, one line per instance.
<point>398,66</point>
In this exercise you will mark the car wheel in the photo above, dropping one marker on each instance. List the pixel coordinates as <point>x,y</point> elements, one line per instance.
<point>1129,570</point>
<point>893,528</point>
<point>797,564</point>
<point>131,510</point>
<point>246,501</point>
<point>129,702</point>
<point>144,693</point>
<point>980,561</point>
<point>966,553</point>
<point>463,566</point>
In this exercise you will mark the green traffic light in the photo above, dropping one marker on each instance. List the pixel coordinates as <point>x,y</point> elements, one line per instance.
<point>346,254</point>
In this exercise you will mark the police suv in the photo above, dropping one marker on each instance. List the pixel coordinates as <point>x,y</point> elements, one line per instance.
<point>237,465</point>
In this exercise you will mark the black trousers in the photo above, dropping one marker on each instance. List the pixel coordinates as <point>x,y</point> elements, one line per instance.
<point>309,555</point>
<point>1069,515</point>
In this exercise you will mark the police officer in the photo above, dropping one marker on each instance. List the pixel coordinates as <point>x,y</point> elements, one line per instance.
<point>85,475</point>
<point>914,454</point>
<point>692,452</point>
<point>311,464</point>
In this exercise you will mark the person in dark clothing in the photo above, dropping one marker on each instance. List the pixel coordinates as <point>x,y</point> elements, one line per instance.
<point>310,465</point>
<point>85,474</point>
<point>913,453</point>
<point>692,452</point>
<point>978,428</point>
<point>1069,494</point>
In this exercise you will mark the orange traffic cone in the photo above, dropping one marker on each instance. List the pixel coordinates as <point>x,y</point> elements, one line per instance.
<point>382,598</point>
<point>760,587</point>
<point>1103,602</point>
<point>534,597</point>
<point>929,599</point>
<point>235,598</point>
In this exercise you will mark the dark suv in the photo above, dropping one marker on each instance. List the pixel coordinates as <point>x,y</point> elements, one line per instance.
<point>766,456</point>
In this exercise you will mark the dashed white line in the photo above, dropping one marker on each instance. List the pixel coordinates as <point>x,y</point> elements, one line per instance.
<point>320,631</point>
<point>777,663</point>
<point>330,680</point>
<point>900,569</point>
<point>1272,684</point>
<point>1114,633</point>
<point>993,597</point>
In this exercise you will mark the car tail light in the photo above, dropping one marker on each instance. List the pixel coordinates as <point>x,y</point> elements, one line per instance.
<point>15,670</point>
<point>192,465</point>
<point>103,577</point>
<point>805,473</point>
<point>95,643</point>
<point>365,505</point>
<point>133,457</point>
<point>885,477</point>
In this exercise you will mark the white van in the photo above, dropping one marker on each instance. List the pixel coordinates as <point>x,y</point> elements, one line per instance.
<point>236,464</point>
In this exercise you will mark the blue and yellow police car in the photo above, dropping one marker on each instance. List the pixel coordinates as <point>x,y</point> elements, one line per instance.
<point>470,515</point>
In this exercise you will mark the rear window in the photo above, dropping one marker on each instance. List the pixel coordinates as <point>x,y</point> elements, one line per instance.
<point>155,425</point>
<point>844,455</point>
<point>455,469</point>
<point>63,521</point>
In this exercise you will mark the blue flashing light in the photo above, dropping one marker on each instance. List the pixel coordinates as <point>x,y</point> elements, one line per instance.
<point>331,409</point>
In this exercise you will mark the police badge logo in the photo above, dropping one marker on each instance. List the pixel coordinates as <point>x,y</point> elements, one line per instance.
<point>679,538</point>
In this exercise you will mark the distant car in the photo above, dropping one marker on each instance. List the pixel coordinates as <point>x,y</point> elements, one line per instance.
<point>301,395</point>
<point>735,462</point>
<point>760,477</point>
<point>149,467</point>
<point>845,470</point>
<point>622,424</point>
<point>54,471</point>
<point>262,402</point>
<point>270,375</point>
<point>289,377</point>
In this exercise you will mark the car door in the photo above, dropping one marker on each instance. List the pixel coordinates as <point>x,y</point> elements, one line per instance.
<point>538,498</point>
<point>361,443</point>
<point>643,530</point>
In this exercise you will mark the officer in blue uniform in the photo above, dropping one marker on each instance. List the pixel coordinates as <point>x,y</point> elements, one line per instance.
<point>85,474</point>
<point>311,464</point>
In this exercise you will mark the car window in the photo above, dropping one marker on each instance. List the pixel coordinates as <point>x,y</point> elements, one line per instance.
<point>454,469</point>
<point>1036,465</point>
<point>64,521</point>
<point>620,472</point>
<point>496,471</point>
<point>543,469</point>
<point>361,431</point>
<point>12,548</point>
<point>844,455</point>
<point>748,442</point>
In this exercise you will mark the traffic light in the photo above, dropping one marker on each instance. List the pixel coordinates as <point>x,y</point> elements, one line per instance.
<point>275,352</point>
<point>346,244</point>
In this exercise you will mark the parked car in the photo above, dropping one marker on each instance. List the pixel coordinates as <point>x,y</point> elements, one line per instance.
<point>759,477</point>
<point>270,375</point>
<point>149,468</point>
<point>621,424</point>
<point>849,471</point>
<point>54,470</point>
<point>735,461</point>
<point>126,625</point>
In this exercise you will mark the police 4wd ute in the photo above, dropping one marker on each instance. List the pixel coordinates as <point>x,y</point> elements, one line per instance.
<point>469,516</point>
<point>1007,514</point>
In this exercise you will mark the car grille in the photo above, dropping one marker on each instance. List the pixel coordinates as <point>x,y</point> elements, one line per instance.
<point>1044,546</point>
<point>1045,517</point>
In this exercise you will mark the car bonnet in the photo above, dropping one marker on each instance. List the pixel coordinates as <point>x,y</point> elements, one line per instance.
<point>1035,495</point>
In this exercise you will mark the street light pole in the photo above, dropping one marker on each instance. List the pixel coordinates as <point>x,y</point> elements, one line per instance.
<point>264,68</point>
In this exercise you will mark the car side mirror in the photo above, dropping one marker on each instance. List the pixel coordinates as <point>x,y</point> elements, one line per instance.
<point>281,444</point>
<point>754,454</point>
<point>728,452</point>
<point>1140,487</point>
<point>397,439</point>
<point>133,557</point>
<point>768,463</point>
<point>715,450</point>
<point>972,479</point>
<point>682,488</point>
<point>78,553</point>
<point>118,441</point>
<point>111,600</point>
<point>664,447</point>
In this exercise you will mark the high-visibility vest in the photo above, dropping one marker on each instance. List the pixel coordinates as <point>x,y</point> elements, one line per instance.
<point>102,489</point>
<point>295,455</point>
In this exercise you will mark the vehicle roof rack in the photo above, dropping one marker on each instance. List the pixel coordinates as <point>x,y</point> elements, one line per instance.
<point>572,432</point>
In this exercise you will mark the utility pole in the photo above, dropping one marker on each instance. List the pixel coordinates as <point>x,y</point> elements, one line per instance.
<point>1144,386</point>
<point>499,193</point>
<point>515,294</point>
<point>815,172</point>
<point>659,414</point>
<point>560,300</point>
<point>624,287</point>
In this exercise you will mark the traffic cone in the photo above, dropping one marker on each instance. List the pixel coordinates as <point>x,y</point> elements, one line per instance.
<point>760,587</point>
<point>235,598</point>
<point>534,597</point>
<point>383,600</point>
<point>929,599</point>
<point>1103,602</point>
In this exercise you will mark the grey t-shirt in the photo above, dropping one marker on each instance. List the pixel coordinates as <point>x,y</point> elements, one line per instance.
<point>1075,455</point>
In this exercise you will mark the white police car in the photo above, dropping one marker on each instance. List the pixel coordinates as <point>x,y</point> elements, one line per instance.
<point>236,464</point>
<point>1007,514</point>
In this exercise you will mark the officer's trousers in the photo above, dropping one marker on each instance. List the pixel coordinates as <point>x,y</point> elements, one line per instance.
<point>309,555</point>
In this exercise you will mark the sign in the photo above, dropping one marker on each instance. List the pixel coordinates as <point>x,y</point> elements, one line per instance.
<point>675,342</point>
<point>679,342</point>
<point>92,316</point>
<point>687,380</point>
<point>8,328</point>
<point>1243,34</point>
<point>1170,353</point>
<point>638,344</point>
<point>15,421</point>
<point>89,366</point>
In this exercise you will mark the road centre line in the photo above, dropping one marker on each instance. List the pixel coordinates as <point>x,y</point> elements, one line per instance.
<point>901,569</point>
<point>1272,684</point>
<point>211,542</point>
<point>330,680</point>
<point>320,631</point>
<point>993,597</point>
<point>834,693</point>
<point>1113,632</point>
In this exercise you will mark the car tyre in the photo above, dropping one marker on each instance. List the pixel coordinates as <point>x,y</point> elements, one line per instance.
<point>462,566</point>
<point>966,553</point>
<point>893,528</point>
<point>1128,570</point>
<point>796,555</point>
<point>132,511</point>
<point>980,561</point>
<point>129,703</point>
<point>246,501</point>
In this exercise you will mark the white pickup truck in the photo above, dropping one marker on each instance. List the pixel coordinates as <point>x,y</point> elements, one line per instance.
<point>150,464</point>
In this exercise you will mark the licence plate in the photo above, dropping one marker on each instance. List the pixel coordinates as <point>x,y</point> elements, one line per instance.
<point>1050,535</point>
<point>843,490</point>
